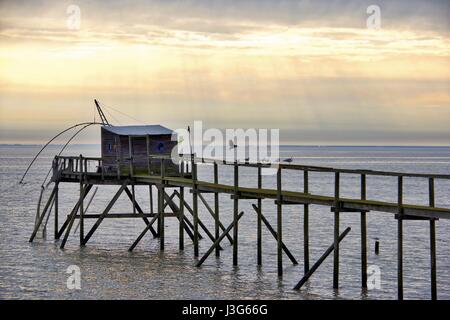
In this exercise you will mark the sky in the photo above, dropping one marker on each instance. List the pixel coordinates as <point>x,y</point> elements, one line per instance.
<point>312,69</point>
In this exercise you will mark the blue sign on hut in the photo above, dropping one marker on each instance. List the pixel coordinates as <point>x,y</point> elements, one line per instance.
<point>137,148</point>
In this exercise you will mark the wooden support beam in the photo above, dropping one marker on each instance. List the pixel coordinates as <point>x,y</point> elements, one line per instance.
<point>336,231</point>
<point>432,242</point>
<point>191,212</point>
<point>195,205</point>
<point>104,213</point>
<point>274,234</point>
<point>217,242</point>
<point>161,194</point>
<point>363,235</point>
<point>42,215</point>
<point>259,221</point>
<point>235,213</point>
<point>181,220</point>
<point>306,224</point>
<point>139,212</point>
<point>81,222</point>
<point>321,259</point>
<point>217,223</point>
<point>279,225</point>
<point>56,205</point>
<point>400,240</point>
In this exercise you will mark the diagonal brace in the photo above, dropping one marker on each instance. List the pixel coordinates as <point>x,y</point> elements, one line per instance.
<point>104,213</point>
<point>275,235</point>
<point>217,242</point>
<point>319,262</point>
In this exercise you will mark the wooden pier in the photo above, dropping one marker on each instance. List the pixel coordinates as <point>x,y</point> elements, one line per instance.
<point>89,172</point>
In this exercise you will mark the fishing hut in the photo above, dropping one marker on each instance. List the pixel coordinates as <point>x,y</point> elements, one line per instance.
<point>137,147</point>
<point>139,156</point>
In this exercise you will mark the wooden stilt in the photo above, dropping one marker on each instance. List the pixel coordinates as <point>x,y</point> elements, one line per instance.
<point>306,224</point>
<point>181,220</point>
<point>363,236</point>
<point>216,209</point>
<point>81,201</point>
<point>336,232</point>
<point>259,220</point>
<point>279,224</point>
<point>400,240</point>
<point>161,193</point>
<point>195,205</point>
<point>235,213</point>
<point>432,243</point>
<point>56,205</point>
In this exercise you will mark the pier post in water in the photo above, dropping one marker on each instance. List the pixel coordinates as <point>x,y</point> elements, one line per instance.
<point>363,235</point>
<point>306,223</point>
<point>235,213</point>
<point>336,232</point>
<point>195,204</point>
<point>81,202</point>
<point>400,239</point>
<point>259,220</point>
<point>56,209</point>
<point>161,206</point>
<point>216,208</point>
<point>279,224</point>
<point>432,242</point>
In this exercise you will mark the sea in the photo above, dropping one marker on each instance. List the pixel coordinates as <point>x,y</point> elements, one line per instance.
<point>107,270</point>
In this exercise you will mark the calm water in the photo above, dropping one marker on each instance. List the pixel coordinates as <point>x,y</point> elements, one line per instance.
<point>109,271</point>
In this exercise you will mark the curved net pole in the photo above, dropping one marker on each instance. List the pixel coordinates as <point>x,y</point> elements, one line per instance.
<point>65,146</point>
<point>50,141</point>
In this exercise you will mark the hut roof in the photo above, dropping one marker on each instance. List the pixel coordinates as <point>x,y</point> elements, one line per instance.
<point>147,130</point>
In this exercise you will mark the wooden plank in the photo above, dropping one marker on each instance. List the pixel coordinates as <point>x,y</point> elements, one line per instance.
<point>181,220</point>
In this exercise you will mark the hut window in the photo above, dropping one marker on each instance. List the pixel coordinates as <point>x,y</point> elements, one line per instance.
<point>109,147</point>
